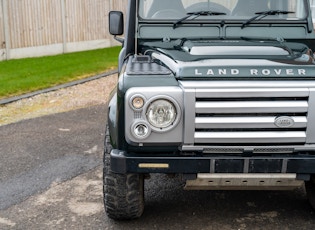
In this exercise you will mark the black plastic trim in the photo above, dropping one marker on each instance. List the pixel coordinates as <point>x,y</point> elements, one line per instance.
<point>122,162</point>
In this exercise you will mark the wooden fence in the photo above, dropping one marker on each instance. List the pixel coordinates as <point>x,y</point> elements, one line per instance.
<point>30,28</point>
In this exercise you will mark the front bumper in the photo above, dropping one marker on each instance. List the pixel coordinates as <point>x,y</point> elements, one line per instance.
<point>123,162</point>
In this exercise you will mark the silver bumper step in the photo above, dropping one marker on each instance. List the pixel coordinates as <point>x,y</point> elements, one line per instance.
<point>247,181</point>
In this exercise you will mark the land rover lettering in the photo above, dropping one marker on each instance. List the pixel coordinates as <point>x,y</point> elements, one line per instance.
<point>253,72</point>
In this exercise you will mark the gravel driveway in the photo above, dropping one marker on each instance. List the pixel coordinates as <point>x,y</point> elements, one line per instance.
<point>88,94</point>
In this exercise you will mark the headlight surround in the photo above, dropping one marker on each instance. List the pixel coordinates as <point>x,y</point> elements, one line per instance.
<point>139,109</point>
<point>162,113</point>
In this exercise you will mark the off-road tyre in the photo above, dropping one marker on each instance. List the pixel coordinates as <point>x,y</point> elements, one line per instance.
<point>123,193</point>
<point>310,191</point>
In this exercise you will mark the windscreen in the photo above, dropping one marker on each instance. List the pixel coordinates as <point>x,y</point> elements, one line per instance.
<point>222,9</point>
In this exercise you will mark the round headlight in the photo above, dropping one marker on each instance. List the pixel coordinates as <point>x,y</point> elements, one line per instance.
<point>137,102</point>
<point>161,113</point>
<point>140,130</point>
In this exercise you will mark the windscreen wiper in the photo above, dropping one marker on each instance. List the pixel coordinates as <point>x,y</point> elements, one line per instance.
<point>196,15</point>
<point>261,15</point>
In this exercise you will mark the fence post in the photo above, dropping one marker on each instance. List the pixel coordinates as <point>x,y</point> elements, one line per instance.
<point>7,37</point>
<point>64,25</point>
<point>110,7</point>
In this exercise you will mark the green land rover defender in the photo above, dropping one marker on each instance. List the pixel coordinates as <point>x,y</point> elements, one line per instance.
<point>218,92</point>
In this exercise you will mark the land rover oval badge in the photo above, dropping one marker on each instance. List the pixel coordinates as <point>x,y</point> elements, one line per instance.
<point>284,122</point>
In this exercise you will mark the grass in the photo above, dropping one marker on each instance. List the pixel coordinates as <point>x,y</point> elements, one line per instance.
<point>26,75</point>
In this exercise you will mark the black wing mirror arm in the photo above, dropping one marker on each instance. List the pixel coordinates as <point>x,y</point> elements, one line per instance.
<point>119,39</point>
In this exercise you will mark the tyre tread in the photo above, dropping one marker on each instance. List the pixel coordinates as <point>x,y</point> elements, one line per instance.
<point>123,193</point>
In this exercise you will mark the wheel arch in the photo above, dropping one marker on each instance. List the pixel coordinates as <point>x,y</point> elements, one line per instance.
<point>112,119</point>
